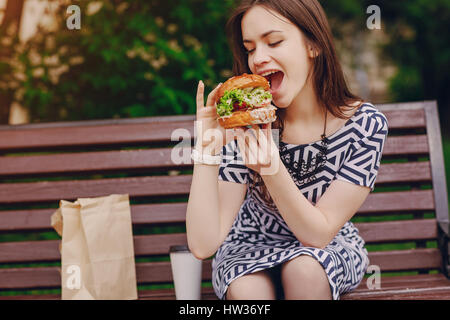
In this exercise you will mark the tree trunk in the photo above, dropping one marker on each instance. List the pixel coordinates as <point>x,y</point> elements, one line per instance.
<point>13,14</point>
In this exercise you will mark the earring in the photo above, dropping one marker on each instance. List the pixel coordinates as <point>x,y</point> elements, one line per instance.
<point>312,53</point>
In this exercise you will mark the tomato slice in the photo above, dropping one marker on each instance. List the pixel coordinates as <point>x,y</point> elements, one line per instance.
<point>238,107</point>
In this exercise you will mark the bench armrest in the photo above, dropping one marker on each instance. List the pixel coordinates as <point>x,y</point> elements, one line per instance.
<point>443,243</point>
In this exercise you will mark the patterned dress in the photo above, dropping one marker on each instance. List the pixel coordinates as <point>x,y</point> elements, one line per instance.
<point>260,239</point>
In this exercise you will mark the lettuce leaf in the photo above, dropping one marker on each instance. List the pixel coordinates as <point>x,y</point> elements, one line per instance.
<point>249,95</point>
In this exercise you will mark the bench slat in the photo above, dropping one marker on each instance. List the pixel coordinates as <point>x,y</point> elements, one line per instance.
<point>70,190</point>
<point>130,160</point>
<point>406,145</point>
<point>49,277</point>
<point>398,201</point>
<point>393,231</point>
<point>409,172</point>
<point>404,260</point>
<point>46,191</point>
<point>89,162</point>
<point>145,130</point>
<point>98,135</point>
<point>404,119</point>
<point>48,250</point>
<point>146,272</point>
<point>143,214</point>
<point>159,244</point>
<point>427,286</point>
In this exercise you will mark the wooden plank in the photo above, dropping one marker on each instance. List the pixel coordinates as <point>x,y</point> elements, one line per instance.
<point>398,201</point>
<point>442,293</point>
<point>159,244</point>
<point>45,191</point>
<point>393,231</point>
<point>208,294</point>
<point>147,214</point>
<point>404,260</point>
<point>404,172</point>
<point>70,190</point>
<point>50,277</point>
<point>408,287</point>
<point>96,135</point>
<point>403,287</point>
<point>404,119</point>
<point>401,282</point>
<point>48,250</point>
<point>438,169</point>
<point>403,106</point>
<point>141,215</point>
<point>406,145</point>
<point>160,158</point>
<point>151,272</point>
<point>158,294</point>
<point>95,122</point>
<point>95,162</point>
<point>47,136</point>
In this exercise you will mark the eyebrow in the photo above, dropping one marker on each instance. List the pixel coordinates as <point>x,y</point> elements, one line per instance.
<point>264,35</point>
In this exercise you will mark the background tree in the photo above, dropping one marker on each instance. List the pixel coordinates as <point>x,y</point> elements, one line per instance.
<point>9,29</point>
<point>416,45</point>
<point>129,59</point>
<point>143,58</point>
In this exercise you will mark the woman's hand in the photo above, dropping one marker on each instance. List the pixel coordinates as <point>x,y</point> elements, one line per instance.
<point>258,150</point>
<point>211,136</point>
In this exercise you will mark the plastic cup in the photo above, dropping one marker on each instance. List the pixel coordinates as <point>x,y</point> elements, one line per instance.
<point>186,272</point>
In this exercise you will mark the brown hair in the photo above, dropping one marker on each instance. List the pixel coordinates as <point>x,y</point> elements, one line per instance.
<point>327,75</point>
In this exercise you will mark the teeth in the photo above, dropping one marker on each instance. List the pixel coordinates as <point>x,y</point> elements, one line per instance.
<point>265,74</point>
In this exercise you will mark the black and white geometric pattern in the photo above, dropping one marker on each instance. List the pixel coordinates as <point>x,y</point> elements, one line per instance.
<point>260,239</point>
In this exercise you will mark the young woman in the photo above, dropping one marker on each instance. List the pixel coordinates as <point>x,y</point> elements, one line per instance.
<point>285,233</point>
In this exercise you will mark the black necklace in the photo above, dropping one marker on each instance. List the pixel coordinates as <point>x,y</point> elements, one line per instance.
<point>305,171</point>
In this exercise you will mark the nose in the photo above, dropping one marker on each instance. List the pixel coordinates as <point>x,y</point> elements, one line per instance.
<point>260,56</point>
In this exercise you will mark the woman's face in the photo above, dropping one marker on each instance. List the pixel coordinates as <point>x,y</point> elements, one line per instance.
<point>275,44</point>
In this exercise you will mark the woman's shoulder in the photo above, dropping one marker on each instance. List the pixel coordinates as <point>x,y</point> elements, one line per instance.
<point>370,119</point>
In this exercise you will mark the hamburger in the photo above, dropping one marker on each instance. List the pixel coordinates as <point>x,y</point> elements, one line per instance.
<point>245,100</point>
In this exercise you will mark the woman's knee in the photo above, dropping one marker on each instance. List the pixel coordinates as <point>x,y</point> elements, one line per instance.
<point>304,278</point>
<point>254,286</point>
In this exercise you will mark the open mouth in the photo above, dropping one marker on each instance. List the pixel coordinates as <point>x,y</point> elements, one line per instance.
<point>275,80</point>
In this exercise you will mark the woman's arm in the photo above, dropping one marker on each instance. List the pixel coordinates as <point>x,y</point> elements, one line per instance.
<point>314,226</point>
<point>317,225</point>
<point>211,210</point>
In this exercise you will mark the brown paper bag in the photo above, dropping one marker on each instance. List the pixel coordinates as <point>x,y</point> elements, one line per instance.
<point>97,254</point>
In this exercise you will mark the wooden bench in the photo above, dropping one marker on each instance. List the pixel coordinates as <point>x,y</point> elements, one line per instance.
<point>41,164</point>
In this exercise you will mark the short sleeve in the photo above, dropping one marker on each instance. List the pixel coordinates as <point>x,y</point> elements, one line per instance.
<point>363,161</point>
<point>232,167</point>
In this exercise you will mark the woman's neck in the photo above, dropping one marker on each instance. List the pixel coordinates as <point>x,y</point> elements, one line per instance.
<point>305,109</point>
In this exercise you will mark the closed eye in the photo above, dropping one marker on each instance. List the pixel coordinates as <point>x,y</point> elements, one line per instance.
<point>275,44</point>
<point>270,45</point>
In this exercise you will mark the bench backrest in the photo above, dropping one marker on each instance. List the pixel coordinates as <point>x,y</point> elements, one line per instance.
<point>41,164</point>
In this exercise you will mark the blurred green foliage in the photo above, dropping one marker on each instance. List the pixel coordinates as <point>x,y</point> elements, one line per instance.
<point>144,58</point>
<point>417,46</point>
<point>129,59</point>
